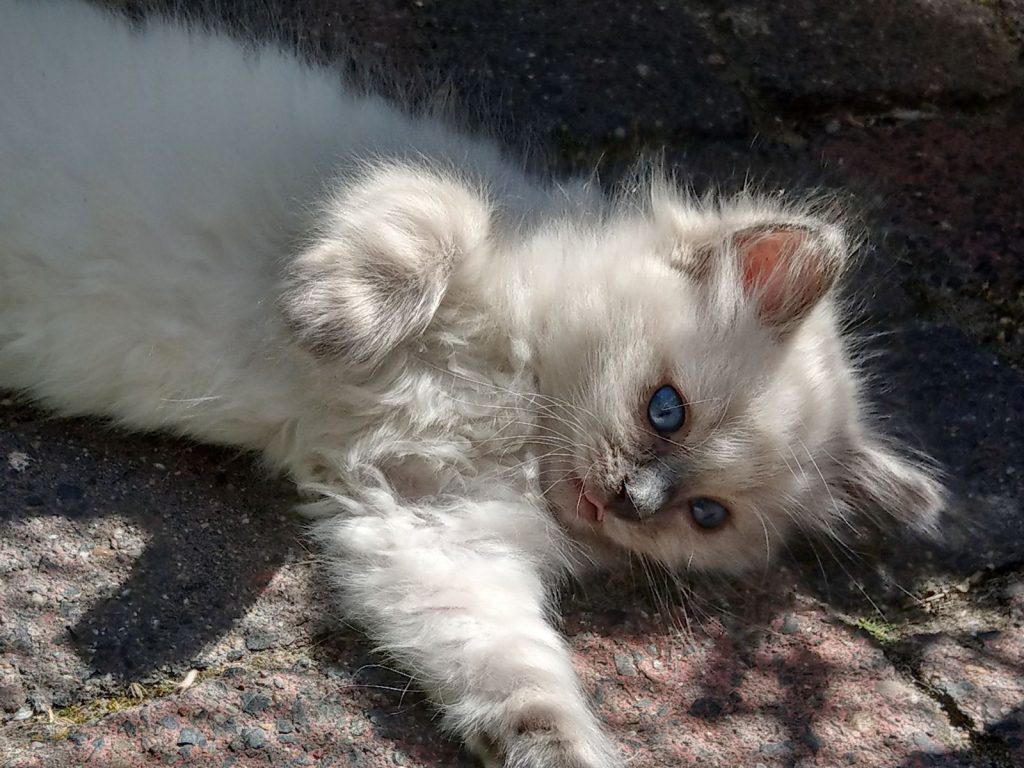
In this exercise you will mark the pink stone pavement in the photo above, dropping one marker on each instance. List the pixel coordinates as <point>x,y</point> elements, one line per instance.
<point>159,605</point>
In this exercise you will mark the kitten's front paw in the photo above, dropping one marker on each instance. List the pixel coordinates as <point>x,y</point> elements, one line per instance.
<point>542,744</point>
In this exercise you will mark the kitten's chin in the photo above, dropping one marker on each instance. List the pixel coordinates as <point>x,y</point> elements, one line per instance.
<point>574,506</point>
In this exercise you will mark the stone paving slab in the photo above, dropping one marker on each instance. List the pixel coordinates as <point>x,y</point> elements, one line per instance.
<point>589,78</point>
<point>574,68</point>
<point>769,687</point>
<point>952,398</point>
<point>984,682</point>
<point>876,53</point>
<point>937,188</point>
<point>132,564</point>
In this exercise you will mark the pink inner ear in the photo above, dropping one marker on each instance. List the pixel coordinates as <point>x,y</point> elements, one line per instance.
<point>783,280</point>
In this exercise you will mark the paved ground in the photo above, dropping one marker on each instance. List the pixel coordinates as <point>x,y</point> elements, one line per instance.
<point>157,602</point>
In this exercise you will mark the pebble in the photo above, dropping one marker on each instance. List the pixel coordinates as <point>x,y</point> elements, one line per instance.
<point>777,748</point>
<point>18,461</point>
<point>11,698</point>
<point>254,703</point>
<point>170,722</point>
<point>300,713</point>
<point>261,641</point>
<point>40,704</point>
<point>927,744</point>
<point>705,708</point>
<point>625,665</point>
<point>790,626</point>
<point>284,725</point>
<point>398,758</point>
<point>254,738</point>
<point>191,737</point>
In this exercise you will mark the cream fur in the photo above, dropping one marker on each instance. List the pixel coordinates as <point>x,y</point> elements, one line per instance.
<point>230,246</point>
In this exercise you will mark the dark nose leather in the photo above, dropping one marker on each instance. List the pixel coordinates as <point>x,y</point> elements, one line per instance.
<point>644,492</point>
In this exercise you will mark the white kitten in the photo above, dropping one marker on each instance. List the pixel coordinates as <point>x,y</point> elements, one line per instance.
<point>486,381</point>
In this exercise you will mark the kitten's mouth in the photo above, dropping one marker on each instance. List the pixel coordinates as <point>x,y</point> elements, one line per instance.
<point>587,507</point>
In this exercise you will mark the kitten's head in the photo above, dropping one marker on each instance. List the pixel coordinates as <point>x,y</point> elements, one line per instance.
<point>701,400</point>
<point>698,401</point>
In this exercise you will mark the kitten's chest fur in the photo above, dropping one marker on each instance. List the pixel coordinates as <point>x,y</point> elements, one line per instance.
<point>455,415</point>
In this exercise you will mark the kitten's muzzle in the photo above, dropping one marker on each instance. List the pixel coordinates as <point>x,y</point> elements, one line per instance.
<point>644,492</point>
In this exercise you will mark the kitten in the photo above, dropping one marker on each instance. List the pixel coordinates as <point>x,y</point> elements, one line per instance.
<point>484,382</point>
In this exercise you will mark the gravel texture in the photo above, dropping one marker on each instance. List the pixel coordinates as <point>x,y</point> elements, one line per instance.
<point>159,606</point>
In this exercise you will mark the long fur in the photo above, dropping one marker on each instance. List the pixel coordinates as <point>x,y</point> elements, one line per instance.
<point>451,358</point>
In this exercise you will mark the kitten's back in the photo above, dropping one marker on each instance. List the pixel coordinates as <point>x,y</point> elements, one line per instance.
<point>152,180</point>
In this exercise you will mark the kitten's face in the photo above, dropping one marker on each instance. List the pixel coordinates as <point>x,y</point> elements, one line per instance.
<point>701,399</point>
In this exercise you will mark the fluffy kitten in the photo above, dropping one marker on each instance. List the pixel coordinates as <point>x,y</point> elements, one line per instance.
<point>486,382</point>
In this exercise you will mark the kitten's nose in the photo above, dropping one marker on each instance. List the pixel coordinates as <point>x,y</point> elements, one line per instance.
<point>622,505</point>
<point>644,491</point>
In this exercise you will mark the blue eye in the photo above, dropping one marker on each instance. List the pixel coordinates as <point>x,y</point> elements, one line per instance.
<point>666,410</point>
<point>708,513</point>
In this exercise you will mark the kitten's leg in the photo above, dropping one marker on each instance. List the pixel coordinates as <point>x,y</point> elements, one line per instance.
<point>464,611</point>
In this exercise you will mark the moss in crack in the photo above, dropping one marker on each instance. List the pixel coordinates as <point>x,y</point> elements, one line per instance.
<point>883,632</point>
<point>95,709</point>
<point>57,724</point>
<point>879,630</point>
<point>135,693</point>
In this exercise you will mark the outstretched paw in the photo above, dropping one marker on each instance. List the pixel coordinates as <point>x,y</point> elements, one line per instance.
<point>539,742</point>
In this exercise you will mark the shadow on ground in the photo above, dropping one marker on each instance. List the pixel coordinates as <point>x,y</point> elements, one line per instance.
<point>215,531</point>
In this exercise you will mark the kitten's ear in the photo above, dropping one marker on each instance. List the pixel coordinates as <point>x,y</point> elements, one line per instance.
<point>877,479</point>
<point>785,270</point>
<point>378,269</point>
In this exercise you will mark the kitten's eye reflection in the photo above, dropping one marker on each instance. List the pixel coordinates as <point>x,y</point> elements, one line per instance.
<point>708,513</point>
<point>666,411</point>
